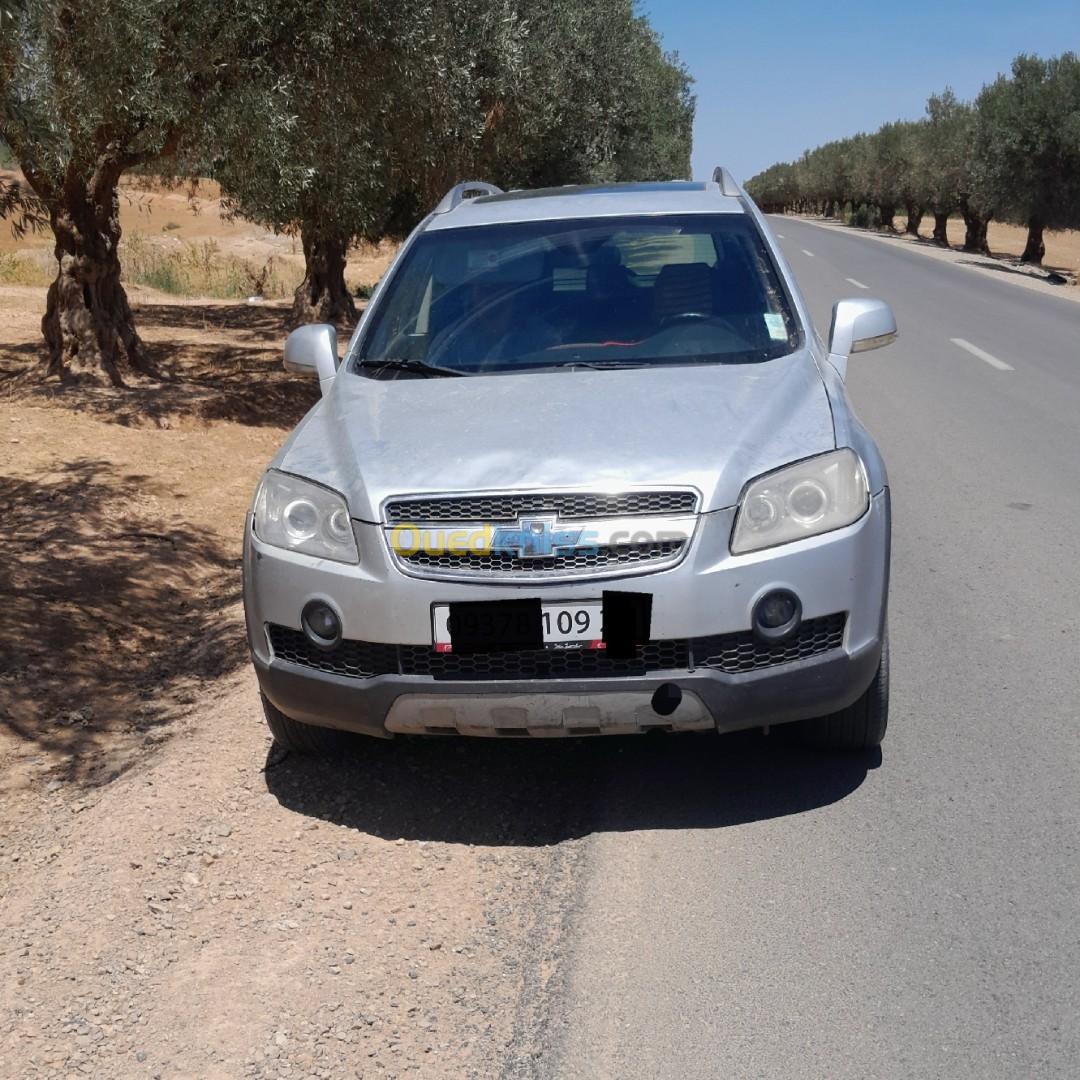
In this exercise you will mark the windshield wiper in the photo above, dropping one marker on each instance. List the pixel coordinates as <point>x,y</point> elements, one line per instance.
<point>419,367</point>
<point>597,365</point>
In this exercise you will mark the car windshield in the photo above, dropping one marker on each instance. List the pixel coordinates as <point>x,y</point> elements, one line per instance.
<point>603,292</point>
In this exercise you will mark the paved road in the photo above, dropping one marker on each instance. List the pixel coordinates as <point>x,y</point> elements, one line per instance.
<point>760,911</point>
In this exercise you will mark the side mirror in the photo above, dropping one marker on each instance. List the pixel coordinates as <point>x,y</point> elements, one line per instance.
<point>858,326</point>
<point>313,348</point>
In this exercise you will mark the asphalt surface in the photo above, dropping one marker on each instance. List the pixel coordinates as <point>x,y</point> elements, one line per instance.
<point>749,909</point>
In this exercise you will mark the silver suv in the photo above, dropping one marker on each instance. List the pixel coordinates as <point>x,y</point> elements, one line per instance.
<point>585,468</point>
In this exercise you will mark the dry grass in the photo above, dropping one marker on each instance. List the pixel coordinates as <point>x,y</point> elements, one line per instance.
<point>201,268</point>
<point>177,239</point>
<point>23,268</point>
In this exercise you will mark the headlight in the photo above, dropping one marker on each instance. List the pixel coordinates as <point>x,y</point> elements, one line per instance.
<point>805,499</point>
<point>302,516</point>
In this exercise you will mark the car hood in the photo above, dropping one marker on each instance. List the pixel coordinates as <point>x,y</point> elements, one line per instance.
<point>711,427</point>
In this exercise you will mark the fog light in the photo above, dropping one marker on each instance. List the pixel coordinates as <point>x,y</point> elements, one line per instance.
<point>777,615</point>
<point>321,625</point>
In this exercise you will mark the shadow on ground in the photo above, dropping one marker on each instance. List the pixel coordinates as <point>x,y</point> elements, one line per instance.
<point>1045,274</point>
<point>526,793</point>
<point>105,617</point>
<point>222,362</point>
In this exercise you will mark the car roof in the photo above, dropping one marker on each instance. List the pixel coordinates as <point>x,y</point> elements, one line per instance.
<point>589,201</point>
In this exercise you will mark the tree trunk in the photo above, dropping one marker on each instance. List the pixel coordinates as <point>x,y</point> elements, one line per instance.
<point>322,296</point>
<point>975,233</point>
<point>976,225</point>
<point>914,219</point>
<point>887,213</point>
<point>941,228</point>
<point>88,325</point>
<point>1034,249</point>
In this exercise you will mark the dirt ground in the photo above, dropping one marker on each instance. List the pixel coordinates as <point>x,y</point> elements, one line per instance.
<point>1007,241</point>
<point>177,900</point>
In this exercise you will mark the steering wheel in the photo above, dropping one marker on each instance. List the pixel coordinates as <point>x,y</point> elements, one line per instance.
<point>449,337</point>
<point>684,316</point>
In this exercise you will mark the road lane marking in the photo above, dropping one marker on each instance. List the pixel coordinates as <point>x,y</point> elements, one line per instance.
<point>779,236</point>
<point>982,354</point>
<point>857,284</point>
<point>810,253</point>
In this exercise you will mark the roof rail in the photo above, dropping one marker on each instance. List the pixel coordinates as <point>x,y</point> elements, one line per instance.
<point>726,181</point>
<point>456,195</point>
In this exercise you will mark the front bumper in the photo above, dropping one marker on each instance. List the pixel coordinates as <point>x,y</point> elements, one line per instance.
<point>710,592</point>
<point>399,703</point>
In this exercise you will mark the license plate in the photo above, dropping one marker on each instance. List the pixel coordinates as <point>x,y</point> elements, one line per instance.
<point>569,625</point>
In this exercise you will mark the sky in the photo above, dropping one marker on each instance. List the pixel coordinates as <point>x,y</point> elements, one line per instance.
<point>775,77</point>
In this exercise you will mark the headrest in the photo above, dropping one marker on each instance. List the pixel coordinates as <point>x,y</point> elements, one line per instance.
<point>682,287</point>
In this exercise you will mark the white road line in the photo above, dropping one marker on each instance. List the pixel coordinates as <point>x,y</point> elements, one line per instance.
<point>779,236</point>
<point>982,354</point>
<point>857,284</point>
<point>810,253</point>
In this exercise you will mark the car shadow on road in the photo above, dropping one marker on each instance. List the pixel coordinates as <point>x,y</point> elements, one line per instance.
<point>494,792</point>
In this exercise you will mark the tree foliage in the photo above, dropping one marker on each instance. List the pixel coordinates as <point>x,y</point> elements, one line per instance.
<point>1014,153</point>
<point>1027,146</point>
<point>388,106</point>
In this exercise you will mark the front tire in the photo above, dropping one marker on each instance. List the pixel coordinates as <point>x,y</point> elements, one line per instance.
<point>300,738</point>
<point>861,726</point>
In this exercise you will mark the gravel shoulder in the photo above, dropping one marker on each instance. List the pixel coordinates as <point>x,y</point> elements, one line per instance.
<point>219,912</point>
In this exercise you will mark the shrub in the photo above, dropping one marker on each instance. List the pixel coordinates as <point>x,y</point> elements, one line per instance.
<point>865,217</point>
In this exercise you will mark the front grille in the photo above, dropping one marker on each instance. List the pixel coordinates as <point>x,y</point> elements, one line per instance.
<point>731,653</point>
<point>735,653</point>
<point>567,505</point>
<point>572,562</point>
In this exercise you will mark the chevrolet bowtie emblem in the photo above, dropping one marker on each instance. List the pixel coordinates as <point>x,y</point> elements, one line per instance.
<point>534,538</point>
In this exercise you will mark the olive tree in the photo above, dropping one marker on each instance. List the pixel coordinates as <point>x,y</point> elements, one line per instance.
<point>946,157</point>
<point>1027,146</point>
<point>340,132</point>
<point>775,189</point>
<point>912,186</point>
<point>88,92</point>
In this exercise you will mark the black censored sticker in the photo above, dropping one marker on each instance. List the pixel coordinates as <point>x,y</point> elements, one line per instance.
<point>627,622</point>
<point>482,626</point>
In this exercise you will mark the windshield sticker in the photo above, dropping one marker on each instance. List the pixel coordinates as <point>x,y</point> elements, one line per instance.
<point>775,325</point>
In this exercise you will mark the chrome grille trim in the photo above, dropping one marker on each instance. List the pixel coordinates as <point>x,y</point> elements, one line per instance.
<point>508,506</point>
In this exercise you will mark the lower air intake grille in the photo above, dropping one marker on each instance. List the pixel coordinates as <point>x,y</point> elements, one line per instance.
<point>735,653</point>
<point>731,653</point>
<point>358,659</point>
